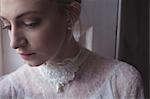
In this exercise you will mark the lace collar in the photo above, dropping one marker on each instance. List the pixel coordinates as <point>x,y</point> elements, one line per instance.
<point>61,74</point>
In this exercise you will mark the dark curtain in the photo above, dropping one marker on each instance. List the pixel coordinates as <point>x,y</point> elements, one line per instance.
<point>134,37</point>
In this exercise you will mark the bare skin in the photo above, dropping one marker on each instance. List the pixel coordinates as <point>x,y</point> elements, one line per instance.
<point>37,32</point>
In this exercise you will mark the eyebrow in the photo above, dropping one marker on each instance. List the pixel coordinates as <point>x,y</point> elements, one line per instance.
<point>1,18</point>
<point>26,13</point>
<point>21,15</point>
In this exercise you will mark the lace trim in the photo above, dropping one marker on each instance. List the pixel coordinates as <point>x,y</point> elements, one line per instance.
<point>61,74</point>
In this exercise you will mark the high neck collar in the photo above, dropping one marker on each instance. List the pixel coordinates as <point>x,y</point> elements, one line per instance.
<point>60,74</point>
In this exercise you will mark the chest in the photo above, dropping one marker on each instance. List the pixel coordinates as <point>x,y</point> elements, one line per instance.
<point>70,91</point>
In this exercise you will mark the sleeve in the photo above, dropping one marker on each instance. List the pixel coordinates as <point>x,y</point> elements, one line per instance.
<point>129,83</point>
<point>6,89</point>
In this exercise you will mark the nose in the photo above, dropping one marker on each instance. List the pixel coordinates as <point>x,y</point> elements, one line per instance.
<point>15,44</point>
<point>17,39</point>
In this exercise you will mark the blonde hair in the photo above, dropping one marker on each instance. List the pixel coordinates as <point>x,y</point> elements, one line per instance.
<point>67,1</point>
<point>71,9</point>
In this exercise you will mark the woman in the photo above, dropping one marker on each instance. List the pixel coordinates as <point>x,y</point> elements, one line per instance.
<point>57,67</point>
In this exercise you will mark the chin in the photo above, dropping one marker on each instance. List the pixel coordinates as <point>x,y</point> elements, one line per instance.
<point>34,64</point>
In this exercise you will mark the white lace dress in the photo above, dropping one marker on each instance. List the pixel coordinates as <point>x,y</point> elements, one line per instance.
<point>89,76</point>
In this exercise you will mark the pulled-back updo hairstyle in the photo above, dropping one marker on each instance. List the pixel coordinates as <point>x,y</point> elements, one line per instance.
<point>70,8</point>
<point>67,1</point>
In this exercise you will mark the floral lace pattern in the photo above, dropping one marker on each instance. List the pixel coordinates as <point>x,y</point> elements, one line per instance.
<point>61,73</point>
<point>93,78</point>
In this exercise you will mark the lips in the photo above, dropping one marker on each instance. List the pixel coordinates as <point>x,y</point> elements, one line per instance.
<point>26,56</point>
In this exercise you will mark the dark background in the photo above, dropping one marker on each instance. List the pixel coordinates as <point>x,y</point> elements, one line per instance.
<point>134,37</point>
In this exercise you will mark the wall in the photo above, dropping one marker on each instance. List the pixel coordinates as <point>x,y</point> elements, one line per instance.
<point>1,59</point>
<point>11,61</point>
<point>102,15</point>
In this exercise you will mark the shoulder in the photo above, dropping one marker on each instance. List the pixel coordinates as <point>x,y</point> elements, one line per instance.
<point>21,76</point>
<point>126,71</point>
<point>105,68</point>
<point>127,81</point>
<point>9,80</point>
<point>4,81</point>
<point>111,67</point>
<point>121,77</point>
<point>5,87</point>
<point>9,83</point>
<point>126,76</point>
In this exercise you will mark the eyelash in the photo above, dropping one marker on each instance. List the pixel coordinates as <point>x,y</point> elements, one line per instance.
<point>6,27</point>
<point>30,25</point>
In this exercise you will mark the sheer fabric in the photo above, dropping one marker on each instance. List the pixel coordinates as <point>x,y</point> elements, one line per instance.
<point>97,78</point>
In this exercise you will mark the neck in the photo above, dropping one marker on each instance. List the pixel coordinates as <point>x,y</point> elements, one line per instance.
<point>69,49</point>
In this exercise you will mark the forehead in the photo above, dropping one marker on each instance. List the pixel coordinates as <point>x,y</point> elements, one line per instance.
<point>12,8</point>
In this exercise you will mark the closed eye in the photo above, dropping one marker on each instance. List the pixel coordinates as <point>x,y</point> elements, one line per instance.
<point>5,24</point>
<point>32,24</point>
<point>8,27</point>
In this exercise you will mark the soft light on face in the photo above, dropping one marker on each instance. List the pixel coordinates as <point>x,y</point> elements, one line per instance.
<point>35,30</point>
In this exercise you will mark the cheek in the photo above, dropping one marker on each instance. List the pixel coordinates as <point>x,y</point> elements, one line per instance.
<point>49,35</point>
<point>46,39</point>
